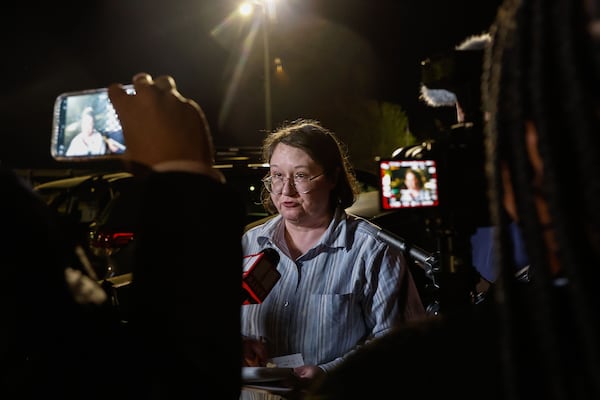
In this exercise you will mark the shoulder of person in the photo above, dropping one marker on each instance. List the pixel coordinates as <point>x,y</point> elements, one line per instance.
<point>363,227</point>
<point>262,225</point>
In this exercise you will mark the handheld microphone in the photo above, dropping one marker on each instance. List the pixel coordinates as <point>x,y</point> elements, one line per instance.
<point>259,275</point>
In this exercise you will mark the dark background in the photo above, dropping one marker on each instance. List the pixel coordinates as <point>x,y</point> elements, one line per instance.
<point>367,48</point>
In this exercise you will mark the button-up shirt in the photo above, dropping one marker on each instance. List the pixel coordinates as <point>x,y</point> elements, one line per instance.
<point>349,288</point>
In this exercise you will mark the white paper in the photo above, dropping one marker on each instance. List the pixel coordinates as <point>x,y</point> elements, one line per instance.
<point>289,361</point>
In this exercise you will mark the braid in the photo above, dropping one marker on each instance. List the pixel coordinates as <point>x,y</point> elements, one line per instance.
<point>540,68</point>
<point>492,71</point>
<point>578,220</point>
<point>540,97</point>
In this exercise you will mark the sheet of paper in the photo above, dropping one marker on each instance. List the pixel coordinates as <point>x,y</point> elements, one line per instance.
<point>289,361</point>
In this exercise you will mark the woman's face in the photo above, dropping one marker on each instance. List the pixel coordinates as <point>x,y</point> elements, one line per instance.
<point>293,205</point>
<point>87,124</point>
<point>410,180</point>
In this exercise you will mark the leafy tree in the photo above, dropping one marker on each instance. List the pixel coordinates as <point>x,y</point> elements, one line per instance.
<point>371,128</point>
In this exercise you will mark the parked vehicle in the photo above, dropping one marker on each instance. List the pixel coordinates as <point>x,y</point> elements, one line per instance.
<point>101,206</point>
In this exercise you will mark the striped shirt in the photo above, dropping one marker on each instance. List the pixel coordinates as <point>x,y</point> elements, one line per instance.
<point>349,288</point>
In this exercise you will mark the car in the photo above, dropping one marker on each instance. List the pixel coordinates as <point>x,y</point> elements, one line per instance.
<point>81,198</point>
<point>98,204</point>
<point>80,201</point>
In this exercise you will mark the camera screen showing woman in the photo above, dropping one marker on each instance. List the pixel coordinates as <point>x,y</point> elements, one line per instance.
<point>408,183</point>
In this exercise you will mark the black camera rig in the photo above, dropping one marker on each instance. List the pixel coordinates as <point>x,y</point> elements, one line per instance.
<point>459,180</point>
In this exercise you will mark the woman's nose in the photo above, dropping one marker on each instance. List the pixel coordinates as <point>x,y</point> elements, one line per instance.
<point>288,186</point>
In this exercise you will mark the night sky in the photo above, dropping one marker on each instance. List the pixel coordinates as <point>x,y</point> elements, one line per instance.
<point>369,48</point>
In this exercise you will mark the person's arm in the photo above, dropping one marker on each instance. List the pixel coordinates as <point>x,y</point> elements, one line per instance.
<point>187,280</point>
<point>186,284</point>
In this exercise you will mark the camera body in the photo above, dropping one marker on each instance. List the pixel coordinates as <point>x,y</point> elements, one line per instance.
<point>85,126</point>
<point>451,172</point>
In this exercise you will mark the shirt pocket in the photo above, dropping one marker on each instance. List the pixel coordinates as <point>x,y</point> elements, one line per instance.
<point>335,308</point>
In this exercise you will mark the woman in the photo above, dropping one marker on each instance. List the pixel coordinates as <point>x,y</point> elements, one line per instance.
<point>340,284</point>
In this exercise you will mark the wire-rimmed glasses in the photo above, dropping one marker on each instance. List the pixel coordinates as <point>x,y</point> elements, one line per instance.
<point>301,182</point>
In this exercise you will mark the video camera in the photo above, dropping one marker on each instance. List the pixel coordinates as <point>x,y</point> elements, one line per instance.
<point>451,165</point>
<point>451,195</point>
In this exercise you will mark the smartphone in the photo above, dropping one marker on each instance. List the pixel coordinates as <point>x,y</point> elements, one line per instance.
<point>85,126</point>
<point>408,184</point>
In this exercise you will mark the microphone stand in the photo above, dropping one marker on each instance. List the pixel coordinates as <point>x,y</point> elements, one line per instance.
<point>429,262</point>
<point>453,279</point>
<point>457,276</point>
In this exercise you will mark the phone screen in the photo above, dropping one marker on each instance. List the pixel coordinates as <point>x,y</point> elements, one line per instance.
<point>408,184</point>
<point>85,126</point>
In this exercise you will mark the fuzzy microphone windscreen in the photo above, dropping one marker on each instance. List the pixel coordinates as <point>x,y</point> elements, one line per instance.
<point>452,77</point>
<point>437,97</point>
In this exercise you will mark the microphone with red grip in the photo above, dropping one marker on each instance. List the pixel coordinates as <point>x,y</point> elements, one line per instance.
<point>259,275</point>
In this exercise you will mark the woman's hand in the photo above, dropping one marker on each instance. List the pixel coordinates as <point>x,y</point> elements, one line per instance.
<point>307,374</point>
<point>255,353</point>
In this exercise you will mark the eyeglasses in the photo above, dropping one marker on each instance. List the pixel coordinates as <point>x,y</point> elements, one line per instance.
<point>302,183</point>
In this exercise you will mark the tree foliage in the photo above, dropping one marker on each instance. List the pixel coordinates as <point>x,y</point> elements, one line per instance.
<point>372,128</point>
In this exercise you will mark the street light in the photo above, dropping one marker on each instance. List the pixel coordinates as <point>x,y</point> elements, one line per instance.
<point>268,13</point>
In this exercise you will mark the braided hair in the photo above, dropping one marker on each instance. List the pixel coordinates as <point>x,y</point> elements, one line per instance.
<point>543,67</point>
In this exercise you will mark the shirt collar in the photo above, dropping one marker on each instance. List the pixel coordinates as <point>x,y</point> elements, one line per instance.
<point>335,236</point>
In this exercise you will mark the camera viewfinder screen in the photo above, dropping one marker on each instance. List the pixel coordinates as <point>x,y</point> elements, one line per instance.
<point>408,184</point>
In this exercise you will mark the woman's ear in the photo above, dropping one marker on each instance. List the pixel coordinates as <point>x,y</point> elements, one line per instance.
<point>336,175</point>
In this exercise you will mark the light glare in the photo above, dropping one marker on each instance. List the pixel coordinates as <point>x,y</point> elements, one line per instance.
<point>246,9</point>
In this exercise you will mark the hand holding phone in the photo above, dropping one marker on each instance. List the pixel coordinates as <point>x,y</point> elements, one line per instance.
<point>162,127</point>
